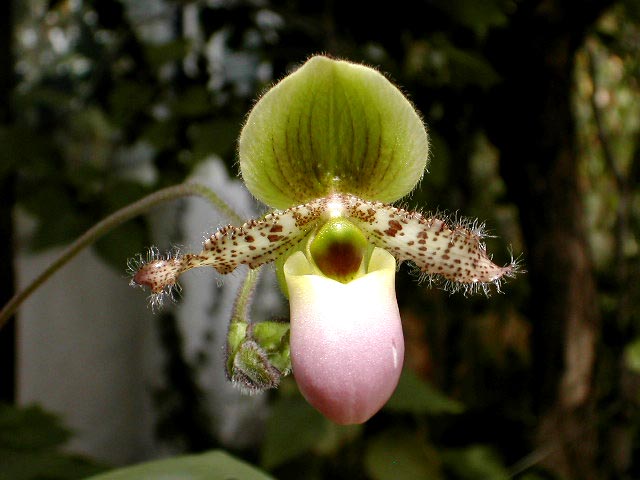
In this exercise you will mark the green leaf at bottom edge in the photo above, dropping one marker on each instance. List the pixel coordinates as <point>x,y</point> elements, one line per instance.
<point>214,465</point>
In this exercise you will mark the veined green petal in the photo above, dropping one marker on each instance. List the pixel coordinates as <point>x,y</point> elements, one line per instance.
<point>332,127</point>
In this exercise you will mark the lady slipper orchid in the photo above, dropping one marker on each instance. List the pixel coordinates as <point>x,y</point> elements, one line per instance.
<point>329,147</point>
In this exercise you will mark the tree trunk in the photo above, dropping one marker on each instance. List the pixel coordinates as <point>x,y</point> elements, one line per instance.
<point>531,122</point>
<point>7,200</point>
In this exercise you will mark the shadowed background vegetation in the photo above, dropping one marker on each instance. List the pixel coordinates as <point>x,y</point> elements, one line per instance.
<point>533,108</point>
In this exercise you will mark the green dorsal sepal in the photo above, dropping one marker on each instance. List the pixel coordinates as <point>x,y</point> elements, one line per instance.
<point>332,127</point>
<point>338,250</point>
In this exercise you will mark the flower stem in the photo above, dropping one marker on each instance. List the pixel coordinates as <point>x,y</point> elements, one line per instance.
<point>242,306</point>
<point>109,223</point>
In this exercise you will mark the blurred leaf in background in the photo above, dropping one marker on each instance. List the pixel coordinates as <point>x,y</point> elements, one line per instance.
<point>30,447</point>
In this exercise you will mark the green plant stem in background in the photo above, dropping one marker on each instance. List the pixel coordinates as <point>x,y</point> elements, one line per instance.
<point>109,223</point>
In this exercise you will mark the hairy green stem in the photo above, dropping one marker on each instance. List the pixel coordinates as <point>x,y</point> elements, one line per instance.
<point>109,223</point>
<point>242,305</point>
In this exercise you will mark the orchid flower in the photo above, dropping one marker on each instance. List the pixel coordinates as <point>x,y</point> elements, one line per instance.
<point>330,147</point>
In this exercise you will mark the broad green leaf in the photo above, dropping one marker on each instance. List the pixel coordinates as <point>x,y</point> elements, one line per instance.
<point>214,465</point>
<point>416,396</point>
<point>332,126</point>
<point>400,455</point>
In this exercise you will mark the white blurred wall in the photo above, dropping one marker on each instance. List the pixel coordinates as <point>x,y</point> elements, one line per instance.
<point>88,349</point>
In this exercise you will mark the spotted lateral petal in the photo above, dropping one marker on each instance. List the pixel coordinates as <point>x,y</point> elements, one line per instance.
<point>255,243</point>
<point>453,251</point>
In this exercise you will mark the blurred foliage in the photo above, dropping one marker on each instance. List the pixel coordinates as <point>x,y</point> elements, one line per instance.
<point>30,447</point>
<point>116,98</point>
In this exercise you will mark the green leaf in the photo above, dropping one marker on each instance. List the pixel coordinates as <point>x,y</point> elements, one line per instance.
<point>29,439</point>
<point>468,68</point>
<point>413,395</point>
<point>332,126</point>
<point>478,16</point>
<point>44,465</point>
<point>30,428</point>
<point>399,455</point>
<point>632,355</point>
<point>476,462</point>
<point>214,465</point>
<point>293,428</point>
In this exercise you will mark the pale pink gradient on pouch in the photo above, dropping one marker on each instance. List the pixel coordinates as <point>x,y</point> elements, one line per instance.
<point>347,347</point>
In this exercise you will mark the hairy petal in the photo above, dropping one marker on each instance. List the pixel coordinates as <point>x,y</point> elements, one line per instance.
<point>454,252</point>
<point>255,243</point>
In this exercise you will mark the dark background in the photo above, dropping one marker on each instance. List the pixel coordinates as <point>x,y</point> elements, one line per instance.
<point>532,108</point>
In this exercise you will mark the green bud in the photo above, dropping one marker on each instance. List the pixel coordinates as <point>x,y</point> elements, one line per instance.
<point>257,354</point>
<point>252,370</point>
<point>236,335</point>
<point>338,250</point>
<point>273,337</point>
<point>332,126</point>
